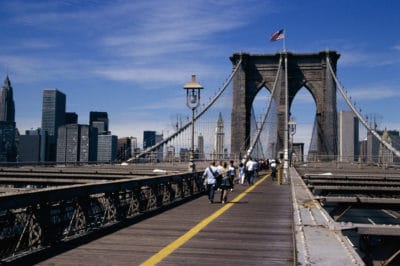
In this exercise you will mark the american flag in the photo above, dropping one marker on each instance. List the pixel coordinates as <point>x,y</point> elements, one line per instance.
<point>279,35</point>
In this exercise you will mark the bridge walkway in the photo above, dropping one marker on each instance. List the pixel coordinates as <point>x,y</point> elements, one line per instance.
<point>253,228</point>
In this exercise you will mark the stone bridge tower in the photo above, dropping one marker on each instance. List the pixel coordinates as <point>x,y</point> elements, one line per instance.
<point>307,70</point>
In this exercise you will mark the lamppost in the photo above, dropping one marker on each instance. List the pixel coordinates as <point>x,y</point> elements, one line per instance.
<point>192,102</point>
<point>292,131</point>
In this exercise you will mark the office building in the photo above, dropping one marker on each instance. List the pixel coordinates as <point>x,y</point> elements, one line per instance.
<point>124,149</point>
<point>7,106</point>
<point>348,136</point>
<point>149,139</point>
<point>99,120</point>
<point>53,116</point>
<point>32,146</point>
<point>107,148</point>
<point>71,118</point>
<point>170,156</point>
<point>8,148</point>
<point>134,146</point>
<point>386,156</point>
<point>76,143</point>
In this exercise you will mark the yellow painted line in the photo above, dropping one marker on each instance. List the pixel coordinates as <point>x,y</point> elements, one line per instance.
<point>166,251</point>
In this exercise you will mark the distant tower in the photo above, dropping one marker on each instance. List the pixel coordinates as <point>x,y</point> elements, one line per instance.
<point>348,136</point>
<point>8,148</point>
<point>219,139</point>
<point>200,147</point>
<point>53,116</point>
<point>149,138</point>
<point>7,107</point>
<point>53,111</point>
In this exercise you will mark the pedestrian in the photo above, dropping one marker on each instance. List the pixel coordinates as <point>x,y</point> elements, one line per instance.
<point>251,167</point>
<point>273,169</point>
<point>225,183</point>
<point>209,176</point>
<point>232,174</point>
<point>241,173</point>
<point>220,169</point>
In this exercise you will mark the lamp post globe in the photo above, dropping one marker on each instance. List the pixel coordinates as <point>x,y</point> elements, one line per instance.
<point>193,89</point>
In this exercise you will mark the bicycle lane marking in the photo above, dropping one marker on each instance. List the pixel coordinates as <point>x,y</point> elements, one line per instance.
<point>166,251</point>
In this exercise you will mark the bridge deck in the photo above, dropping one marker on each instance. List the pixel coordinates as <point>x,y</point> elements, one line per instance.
<point>254,228</point>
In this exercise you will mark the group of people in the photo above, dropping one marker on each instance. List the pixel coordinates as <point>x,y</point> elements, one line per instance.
<point>223,177</point>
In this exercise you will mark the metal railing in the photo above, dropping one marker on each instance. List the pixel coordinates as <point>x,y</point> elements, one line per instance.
<point>37,220</point>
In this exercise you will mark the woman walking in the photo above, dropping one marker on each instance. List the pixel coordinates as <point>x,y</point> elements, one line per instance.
<point>225,183</point>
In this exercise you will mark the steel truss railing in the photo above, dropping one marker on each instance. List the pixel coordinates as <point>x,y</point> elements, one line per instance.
<point>37,220</point>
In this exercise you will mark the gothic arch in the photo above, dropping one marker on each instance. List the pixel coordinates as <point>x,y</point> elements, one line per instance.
<point>307,70</point>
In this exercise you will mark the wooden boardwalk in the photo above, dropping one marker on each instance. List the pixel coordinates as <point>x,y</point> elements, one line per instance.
<point>254,229</point>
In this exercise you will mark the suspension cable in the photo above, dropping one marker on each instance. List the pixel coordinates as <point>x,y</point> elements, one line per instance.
<point>363,121</point>
<point>181,129</point>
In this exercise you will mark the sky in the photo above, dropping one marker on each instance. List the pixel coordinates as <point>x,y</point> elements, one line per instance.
<point>132,58</point>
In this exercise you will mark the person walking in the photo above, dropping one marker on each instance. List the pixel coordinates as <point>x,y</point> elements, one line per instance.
<point>241,173</point>
<point>251,167</point>
<point>225,183</point>
<point>209,177</point>
<point>232,174</point>
<point>220,169</point>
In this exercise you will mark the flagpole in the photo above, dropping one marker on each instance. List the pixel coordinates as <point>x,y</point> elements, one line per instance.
<point>284,42</point>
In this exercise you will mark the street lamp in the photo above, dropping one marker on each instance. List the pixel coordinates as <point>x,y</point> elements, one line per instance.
<point>192,102</point>
<point>292,131</point>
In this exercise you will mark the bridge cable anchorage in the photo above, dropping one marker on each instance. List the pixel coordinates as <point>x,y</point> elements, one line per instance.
<point>197,116</point>
<point>257,137</point>
<point>359,116</point>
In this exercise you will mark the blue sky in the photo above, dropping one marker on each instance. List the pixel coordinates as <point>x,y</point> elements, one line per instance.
<point>132,58</point>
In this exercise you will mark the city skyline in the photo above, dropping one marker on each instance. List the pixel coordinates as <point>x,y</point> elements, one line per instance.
<point>136,65</point>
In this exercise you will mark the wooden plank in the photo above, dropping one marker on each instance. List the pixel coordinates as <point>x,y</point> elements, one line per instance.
<point>254,231</point>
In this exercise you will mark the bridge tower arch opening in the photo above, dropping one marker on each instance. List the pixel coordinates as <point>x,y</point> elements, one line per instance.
<point>308,70</point>
<point>265,147</point>
<point>303,111</point>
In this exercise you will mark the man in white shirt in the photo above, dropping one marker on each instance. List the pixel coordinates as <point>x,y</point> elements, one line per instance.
<point>210,174</point>
<point>251,167</point>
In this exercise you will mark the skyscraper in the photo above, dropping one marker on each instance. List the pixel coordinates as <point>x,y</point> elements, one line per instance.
<point>53,111</point>
<point>7,107</point>
<point>71,118</point>
<point>8,149</point>
<point>53,116</point>
<point>32,146</point>
<point>75,143</point>
<point>348,136</point>
<point>149,138</point>
<point>99,120</point>
<point>107,148</point>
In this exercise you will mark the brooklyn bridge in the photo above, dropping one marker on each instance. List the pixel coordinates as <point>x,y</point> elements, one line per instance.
<point>326,206</point>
